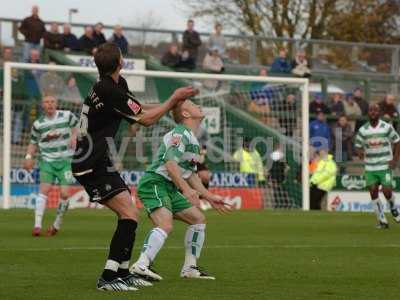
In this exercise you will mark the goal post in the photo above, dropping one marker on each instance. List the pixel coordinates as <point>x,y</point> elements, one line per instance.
<point>221,98</point>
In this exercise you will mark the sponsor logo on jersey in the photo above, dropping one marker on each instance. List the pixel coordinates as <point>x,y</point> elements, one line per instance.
<point>176,139</point>
<point>375,143</point>
<point>135,107</point>
<point>52,135</point>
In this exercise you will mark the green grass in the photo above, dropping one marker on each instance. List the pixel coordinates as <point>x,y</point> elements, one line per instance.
<point>254,255</point>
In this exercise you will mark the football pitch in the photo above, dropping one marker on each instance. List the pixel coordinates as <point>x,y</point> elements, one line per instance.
<point>253,254</point>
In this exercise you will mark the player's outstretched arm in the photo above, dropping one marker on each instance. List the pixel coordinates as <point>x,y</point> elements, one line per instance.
<point>29,161</point>
<point>154,113</point>
<point>147,106</point>
<point>176,175</point>
<point>216,201</point>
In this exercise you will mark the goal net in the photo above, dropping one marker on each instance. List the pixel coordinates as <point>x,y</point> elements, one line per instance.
<point>252,137</point>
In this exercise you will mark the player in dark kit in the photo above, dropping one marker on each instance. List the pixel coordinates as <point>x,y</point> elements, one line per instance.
<point>107,104</point>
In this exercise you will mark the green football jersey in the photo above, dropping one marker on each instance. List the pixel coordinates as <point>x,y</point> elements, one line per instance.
<point>53,135</point>
<point>181,145</point>
<point>377,144</point>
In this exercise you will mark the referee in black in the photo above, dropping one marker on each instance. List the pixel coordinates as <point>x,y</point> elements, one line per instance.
<point>107,104</point>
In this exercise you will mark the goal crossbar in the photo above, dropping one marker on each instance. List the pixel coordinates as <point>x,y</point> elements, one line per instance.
<point>7,112</point>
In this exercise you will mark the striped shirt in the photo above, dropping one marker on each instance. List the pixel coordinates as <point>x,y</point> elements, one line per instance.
<point>53,135</point>
<point>377,144</point>
<point>181,145</point>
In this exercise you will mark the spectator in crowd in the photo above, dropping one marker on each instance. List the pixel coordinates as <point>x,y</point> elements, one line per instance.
<point>212,61</point>
<point>217,40</point>
<point>261,107</point>
<point>260,95</point>
<point>70,41</point>
<point>119,39</point>
<point>263,72</point>
<point>336,106</point>
<point>51,83</point>
<point>33,29</point>
<point>300,65</point>
<point>172,58</point>
<point>258,85</point>
<point>388,108</point>
<point>98,35</point>
<point>250,161</point>
<point>343,141</point>
<point>87,42</point>
<point>31,79</point>
<point>190,44</point>
<point>281,64</point>
<point>53,39</point>
<point>362,103</point>
<point>34,57</point>
<point>351,110</point>
<point>288,117</point>
<point>323,179</point>
<point>17,109</point>
<point>277,173</point>
<point>71,92</point>
<point>7,55</point>
<point>318,105</point>
<point>320,133</point>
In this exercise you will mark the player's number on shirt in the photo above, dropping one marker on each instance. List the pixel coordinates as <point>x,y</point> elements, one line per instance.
<point>83,120</point>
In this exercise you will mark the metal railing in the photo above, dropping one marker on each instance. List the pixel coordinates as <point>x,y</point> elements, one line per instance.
<point>326,56</point>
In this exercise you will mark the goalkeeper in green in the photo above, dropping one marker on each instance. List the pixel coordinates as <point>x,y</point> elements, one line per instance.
<point>374,142</point>
<point>171,189</point>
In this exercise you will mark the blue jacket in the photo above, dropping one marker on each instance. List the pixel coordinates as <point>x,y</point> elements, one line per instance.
<point>281,66</point>
<point>320,130</point>
<point>121,42</point>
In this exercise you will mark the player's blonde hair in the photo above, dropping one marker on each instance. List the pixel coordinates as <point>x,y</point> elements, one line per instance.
<point>177,114</point>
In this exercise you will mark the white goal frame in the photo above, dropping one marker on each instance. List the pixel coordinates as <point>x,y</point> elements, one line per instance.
<point>7,114</point>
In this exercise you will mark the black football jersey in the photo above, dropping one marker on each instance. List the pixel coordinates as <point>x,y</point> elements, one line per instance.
<point>106,105</point>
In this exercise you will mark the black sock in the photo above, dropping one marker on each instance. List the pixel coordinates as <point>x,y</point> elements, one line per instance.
<point>121,245</point>
<point>109,275</point>
<point>124,271</point>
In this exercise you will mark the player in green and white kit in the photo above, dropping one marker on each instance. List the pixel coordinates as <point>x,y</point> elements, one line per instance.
<point>170,189</point>
<point>54,135</point>
<point>374,142</point>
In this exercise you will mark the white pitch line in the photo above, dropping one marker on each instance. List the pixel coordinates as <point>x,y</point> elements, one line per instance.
<point>213,247</point>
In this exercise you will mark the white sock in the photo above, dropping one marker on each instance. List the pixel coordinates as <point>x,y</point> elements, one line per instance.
<point>194,240</point>
<point>391,201</point>
<point>124,265</point>
<point>111,265</point>
<point>40,206</point>
<point>378,207</point>
<point>61,210</point>
<point>152,245</point>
